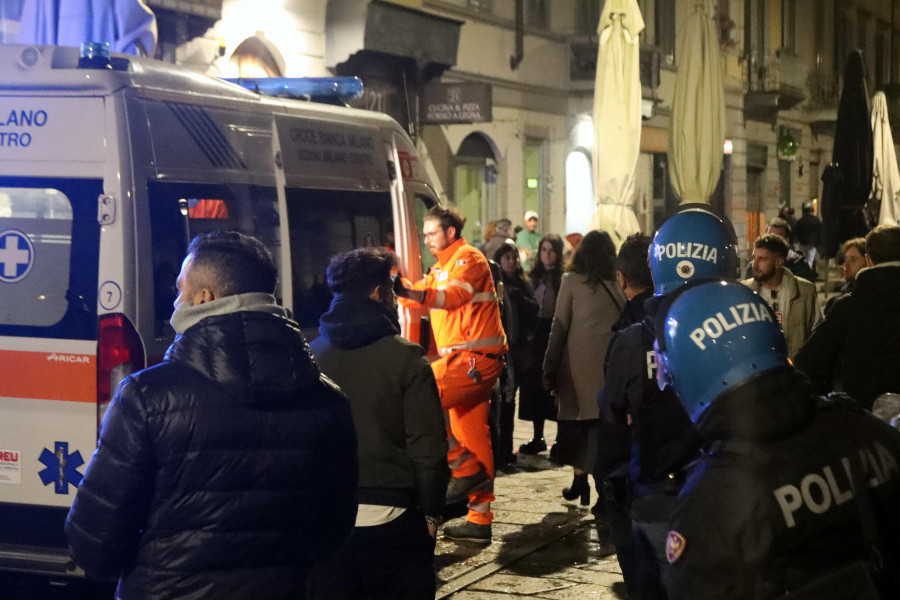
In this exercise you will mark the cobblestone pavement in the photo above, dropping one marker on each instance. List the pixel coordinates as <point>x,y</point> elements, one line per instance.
<point>543,546</point>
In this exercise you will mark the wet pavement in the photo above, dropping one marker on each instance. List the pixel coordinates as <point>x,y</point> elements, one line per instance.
<point>543,545</point>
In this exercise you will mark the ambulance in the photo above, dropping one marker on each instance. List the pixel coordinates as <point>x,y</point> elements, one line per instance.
<point>107,171</point>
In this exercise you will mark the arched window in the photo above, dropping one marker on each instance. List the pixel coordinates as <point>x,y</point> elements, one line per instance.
<point>256,57</point>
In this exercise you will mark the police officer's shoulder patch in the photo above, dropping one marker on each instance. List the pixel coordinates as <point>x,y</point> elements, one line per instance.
<point>675,544</point>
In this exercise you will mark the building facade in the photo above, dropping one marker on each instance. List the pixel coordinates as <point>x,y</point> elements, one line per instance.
<point>530,65</point>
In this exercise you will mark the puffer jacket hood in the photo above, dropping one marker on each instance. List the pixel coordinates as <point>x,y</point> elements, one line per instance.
<point>354,321</point>
<point>260,355</point>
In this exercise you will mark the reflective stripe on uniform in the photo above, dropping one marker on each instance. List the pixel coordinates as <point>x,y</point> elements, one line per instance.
<point>440,298</point>
<point>484,297</point>
<point>472,345</point>
<point>462,284</point>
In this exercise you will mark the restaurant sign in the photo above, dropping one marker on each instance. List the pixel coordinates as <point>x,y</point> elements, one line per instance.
<point>447,103</point>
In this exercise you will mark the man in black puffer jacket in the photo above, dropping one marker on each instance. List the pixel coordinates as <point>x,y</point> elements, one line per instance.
<point>856,349</point>
<point>403,469</point>
<point>230,468</point>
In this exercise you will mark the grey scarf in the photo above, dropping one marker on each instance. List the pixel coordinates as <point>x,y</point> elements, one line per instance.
<point>186,316</point>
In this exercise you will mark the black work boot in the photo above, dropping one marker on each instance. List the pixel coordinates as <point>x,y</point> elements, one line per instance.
<point>459,488</point>
<point>469,532</point>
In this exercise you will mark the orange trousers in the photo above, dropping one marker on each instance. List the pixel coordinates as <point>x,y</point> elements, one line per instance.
<point>466,404</point>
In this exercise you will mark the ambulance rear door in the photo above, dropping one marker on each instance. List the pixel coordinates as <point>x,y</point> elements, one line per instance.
<point>52,165</point>
<point>338,196</point>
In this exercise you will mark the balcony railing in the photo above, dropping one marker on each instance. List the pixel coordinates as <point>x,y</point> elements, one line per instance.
<point>773,83</point>
<point>767,73</point>
<point>583,62</point>
<point>824,89</point>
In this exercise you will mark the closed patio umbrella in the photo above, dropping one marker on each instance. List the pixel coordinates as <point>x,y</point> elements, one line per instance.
<point>697,132</point>
<point>127,25</point>
<point>617,118</point>
<point>848,179</point>
<point>884,200</point>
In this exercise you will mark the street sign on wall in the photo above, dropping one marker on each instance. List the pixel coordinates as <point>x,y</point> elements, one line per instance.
<point>447,103</point>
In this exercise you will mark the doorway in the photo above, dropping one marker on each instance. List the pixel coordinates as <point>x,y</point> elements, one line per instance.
<point>475,184</point>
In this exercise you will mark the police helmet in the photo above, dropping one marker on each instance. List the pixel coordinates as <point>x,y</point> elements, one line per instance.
<point>692,245</point>
<point>714,336</point>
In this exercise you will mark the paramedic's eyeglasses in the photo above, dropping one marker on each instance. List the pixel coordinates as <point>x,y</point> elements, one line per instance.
<point>431,234</point>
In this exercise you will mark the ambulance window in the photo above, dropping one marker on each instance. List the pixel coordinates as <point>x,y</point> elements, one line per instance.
<point>49,241</point>
<point>180,211</point>
<point>423,204</point>
<point>324,223</point>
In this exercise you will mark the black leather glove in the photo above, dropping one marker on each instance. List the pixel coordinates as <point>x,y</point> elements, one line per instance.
<point>404,292</point>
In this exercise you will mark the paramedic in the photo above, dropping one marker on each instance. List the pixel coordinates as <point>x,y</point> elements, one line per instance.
<point>465,316</point>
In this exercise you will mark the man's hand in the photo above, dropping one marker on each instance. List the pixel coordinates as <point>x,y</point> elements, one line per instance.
<point>433,523</point>
<point>404,292</point>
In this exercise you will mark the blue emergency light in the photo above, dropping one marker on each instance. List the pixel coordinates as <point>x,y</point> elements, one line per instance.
<point>319,89</point>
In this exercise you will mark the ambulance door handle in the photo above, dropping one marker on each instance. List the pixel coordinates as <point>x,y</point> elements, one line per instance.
<point>106,209</point>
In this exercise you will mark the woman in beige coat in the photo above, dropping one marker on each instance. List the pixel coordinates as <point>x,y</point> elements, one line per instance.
<point>588,304</point>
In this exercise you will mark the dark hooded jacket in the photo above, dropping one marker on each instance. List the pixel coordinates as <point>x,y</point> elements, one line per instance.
<point>395,402</point>
<point>762,514</point>
<point>856,349</point>
<point>223,472</point>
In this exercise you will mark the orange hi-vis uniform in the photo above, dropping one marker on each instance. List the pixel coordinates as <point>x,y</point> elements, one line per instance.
<point>465,319</point>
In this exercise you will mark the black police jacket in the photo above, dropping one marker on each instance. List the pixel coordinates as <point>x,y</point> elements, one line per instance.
<point>771,507</point>
<point>664,438</point>
<point>223,472</point>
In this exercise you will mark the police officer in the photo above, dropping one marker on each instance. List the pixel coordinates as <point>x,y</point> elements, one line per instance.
<point>778,502</point>
<point>692,245</point>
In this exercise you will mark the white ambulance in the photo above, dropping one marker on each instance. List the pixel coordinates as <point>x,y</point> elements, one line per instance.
<point>105,176</point>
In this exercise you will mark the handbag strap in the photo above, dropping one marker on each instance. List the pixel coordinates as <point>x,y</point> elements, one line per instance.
<point>611,295</point>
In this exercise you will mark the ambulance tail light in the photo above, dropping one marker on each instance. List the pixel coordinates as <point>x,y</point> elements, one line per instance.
<point>119,353</point>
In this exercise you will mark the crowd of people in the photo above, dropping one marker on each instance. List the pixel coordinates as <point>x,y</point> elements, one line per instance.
<point>252,465</point>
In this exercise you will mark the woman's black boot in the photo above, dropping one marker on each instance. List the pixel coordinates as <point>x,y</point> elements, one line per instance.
<point>580,487</point>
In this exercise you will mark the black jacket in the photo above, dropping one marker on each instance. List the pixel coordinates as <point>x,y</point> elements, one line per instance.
<point>223,472</point>
<point>664,439</point>
<point>856,349</point>
<point>395,402</point>
<point>770,506</point>
<point>519,313</point>
<point>615,433</point>
<point>808,230</point>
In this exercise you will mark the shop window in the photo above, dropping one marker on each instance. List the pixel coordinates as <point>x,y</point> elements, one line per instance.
<point>579,192</point>
<point>534,175</point>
